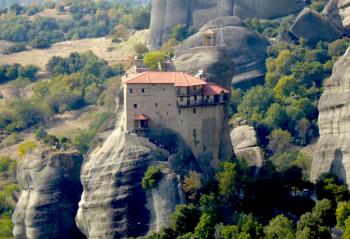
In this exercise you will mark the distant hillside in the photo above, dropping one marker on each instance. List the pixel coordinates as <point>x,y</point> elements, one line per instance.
<point>5,3</point>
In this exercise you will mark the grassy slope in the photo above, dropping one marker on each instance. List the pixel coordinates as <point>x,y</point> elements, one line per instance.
<point>99,46</point>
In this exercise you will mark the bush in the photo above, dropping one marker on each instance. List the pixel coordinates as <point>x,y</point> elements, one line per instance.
<point>7,166</point>
<point>153,59</point>
<point>26,148</point>
<point>82,139</point>
<point>184,219</point>
<point>151,177</point>
<point>40,134</point>
<point>18,47</point>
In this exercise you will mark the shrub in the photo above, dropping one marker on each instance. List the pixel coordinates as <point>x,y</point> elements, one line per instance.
<point>7,166</point>
<point>18,47</point>
<point>153,59</point>
<point>40,134</point>
<point>151,177</point>
<point>26,147</point>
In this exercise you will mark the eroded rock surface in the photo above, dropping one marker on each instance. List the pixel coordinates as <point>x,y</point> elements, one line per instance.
<point>245,145</point>
<point>236,46</point>
<point>338,12</point>
<point>314,27</point>
<point>332,150</point>
<point>50,194</point>
<point>167,13</point>
<point>113,204</point>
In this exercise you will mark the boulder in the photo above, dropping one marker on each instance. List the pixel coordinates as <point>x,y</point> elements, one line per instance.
<point>51,190</point>
<point>337,11</point>
<point>168,13</point>
<point>235,46</point>
<point>216,63</point>
<point>245,145</point>
<point>314,27</point>
<point>333,147</point>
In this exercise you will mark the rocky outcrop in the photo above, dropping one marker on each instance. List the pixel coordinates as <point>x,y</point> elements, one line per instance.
<point>314,27</point>
<point>245,145</point>
<point>216,63</point>
<point>333,147</point>
<point>237,47</point>
<point>168,13</point>
<point>50,194</point>
<point>338,12</point>
<point>113,204</point>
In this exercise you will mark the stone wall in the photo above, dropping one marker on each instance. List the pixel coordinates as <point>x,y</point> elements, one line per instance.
<point>199,126</point>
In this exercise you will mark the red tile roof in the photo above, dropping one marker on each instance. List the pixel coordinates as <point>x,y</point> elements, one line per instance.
<point>141,117</point>
<point>213,89</point>
<point>179,79</point>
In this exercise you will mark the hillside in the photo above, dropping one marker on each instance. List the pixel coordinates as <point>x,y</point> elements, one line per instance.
<point>103,47</point>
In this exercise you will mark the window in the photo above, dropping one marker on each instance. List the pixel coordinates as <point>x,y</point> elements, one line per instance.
<point>195,98</point>
<point>156,104</point>
<point>135,106</point>
<point>143,90</point>
<point>169,104</point>
<point>130,90</point>
<point>194,111</point>
<point>181,98</point>
<point>163,89</point>
<point>179,111</point>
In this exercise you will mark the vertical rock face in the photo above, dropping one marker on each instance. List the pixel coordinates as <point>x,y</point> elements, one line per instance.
<point>168,13</point>
<point>50,194</point>
<point>338,12</point>
<point>113,204</point>
<point>332,150</point>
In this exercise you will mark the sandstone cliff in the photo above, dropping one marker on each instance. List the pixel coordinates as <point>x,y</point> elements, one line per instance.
<point>50,194</point>
<point>238,48</point>
<point>337,11</point>
<point>167,13</point>
<point>333,147</point>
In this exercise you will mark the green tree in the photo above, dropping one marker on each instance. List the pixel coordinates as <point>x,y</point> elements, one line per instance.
<point>152,176</point>
<point>280,227</point>
<point>184,219</point>
<point>257,100</point>
<point>338,47</point>
<point>154,59</point>
<point>276,116</point>
<point>25,148</point>
<point>286,86</point>
<point>227,179</point>
<point>205,228</point>
<point>342,213</point>
<point>40,134</point>
<point>324,211</point>
<point>279,141</point>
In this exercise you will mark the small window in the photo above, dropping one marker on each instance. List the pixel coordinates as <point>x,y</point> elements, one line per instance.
<point>163,89</point>
<point>135,106</point>
<point>181,98</point>
<point>156,104</point>
<point>167,113</point>
<point>130,90</point>
<point>169,104</point>
<point>143,90</point>
<point>195,98</point>
<point>179,112</point>
<point>194,111</point>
